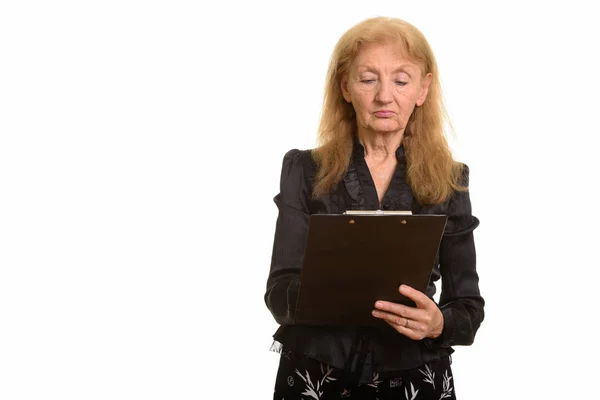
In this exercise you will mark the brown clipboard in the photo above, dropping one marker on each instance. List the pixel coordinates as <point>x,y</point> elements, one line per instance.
<point>351,261</point>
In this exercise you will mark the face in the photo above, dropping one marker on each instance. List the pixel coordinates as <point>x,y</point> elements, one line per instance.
<point>384,87</point>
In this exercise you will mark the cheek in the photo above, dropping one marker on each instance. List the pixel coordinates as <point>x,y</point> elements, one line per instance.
<point>407,100</point>
<point>362,99</point>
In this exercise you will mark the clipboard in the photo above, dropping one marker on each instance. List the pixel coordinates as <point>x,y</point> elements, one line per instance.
<point>351,261</point>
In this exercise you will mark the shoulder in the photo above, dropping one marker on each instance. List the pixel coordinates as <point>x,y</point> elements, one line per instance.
<point>464,173</point>
<point>298,163</point>
<point>460,195</point>
<point>299,158</point>
<point>297,176</point>
<point>460,217</point>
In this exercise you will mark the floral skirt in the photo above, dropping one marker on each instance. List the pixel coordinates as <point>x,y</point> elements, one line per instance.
<point>300,377</point>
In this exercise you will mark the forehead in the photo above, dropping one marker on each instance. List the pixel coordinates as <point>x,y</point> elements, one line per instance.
<point>387,56</point>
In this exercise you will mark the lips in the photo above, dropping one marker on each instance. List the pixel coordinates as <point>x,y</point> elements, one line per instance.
<point>383,113</point>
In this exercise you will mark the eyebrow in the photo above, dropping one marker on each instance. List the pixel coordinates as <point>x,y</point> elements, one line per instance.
<point>407,68</point>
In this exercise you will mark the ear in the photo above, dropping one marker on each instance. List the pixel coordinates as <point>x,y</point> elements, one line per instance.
<point>425,82</point>
<point>344,87</point>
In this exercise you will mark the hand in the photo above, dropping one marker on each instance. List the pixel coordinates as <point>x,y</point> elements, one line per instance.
<point>426,320</point>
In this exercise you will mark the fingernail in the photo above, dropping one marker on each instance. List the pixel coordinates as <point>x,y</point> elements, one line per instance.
<point>379,304</point>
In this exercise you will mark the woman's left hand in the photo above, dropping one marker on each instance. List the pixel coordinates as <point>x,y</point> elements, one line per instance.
<point>425,320</point>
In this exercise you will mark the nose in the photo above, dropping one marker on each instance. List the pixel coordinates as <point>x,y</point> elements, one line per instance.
<point>384,92</point>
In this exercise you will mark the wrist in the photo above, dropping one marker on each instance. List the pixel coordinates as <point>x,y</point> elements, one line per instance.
<point>438,327</point>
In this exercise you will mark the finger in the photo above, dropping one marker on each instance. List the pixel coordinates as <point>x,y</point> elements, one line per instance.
<point>401,325</point>
<point>420,298</point>
<point>399,309</point>
<point>407,327</point>
<point>409,333</point>
<point>392,319</point>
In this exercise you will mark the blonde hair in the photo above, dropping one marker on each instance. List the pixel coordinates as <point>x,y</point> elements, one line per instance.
<point>432,173</point>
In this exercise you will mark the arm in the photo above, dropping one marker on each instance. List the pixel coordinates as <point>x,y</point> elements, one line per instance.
<point>460,301</point>
<point>290,239</point>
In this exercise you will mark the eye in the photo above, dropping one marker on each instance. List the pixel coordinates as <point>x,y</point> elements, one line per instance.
<point>400,83</point>
<point>368,81</point>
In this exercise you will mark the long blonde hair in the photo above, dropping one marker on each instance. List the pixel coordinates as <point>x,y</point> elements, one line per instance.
<point>432,173</point>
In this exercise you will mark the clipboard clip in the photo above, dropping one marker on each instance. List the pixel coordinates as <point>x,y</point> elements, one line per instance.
<point>377,212</point>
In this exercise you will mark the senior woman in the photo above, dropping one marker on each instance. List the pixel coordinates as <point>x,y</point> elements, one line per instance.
<point>382,146</point>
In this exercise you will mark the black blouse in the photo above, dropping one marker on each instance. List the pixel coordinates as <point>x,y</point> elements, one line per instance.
<point>363,351</point>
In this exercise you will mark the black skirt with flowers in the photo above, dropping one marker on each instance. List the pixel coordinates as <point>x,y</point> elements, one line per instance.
<point>301,377</point>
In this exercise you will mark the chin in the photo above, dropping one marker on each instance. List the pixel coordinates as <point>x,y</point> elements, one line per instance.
<point>386,126</point>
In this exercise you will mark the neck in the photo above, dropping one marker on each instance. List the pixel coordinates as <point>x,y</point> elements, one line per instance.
<point>381,146</point>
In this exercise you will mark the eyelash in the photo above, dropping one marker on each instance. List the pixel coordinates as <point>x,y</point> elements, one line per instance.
<point>399,83</point>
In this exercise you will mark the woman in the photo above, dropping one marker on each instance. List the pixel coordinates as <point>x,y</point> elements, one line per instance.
<point>382,147</point>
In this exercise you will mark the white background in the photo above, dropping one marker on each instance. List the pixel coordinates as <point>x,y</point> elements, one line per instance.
<point>141,146</point>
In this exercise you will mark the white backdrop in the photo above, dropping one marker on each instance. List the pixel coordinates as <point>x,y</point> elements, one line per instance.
<point>141,146</point>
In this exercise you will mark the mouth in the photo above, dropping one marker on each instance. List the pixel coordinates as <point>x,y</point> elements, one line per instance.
<point>383,113</point>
